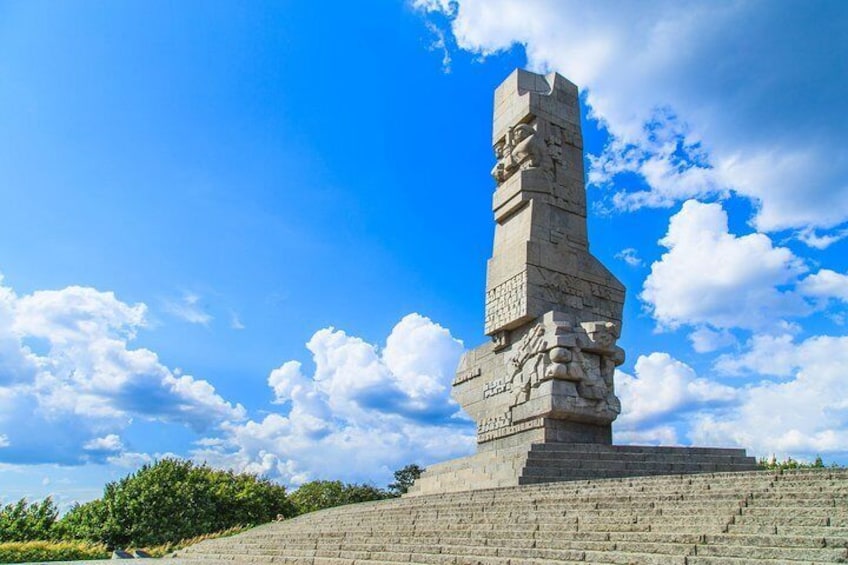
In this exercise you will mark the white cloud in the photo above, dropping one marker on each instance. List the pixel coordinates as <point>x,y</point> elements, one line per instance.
<point>802,416</point>
<point>705,340</point>
<point>189,309</point>
<point>364,409</point>
<point>66,402</point>
<point>110,443</point>
<point>711,277</point>
<point>826,284</point>
<point>4,440</point>
<point>664,388</point>
<point>813,239</point>
<point>658,435</point>
<point>629,256</point>
<point>700,98</point>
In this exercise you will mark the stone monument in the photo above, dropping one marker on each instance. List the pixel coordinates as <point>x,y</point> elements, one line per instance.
<point>542,391</point>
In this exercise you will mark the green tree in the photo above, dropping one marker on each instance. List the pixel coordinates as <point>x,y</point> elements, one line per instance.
<point>316,495</point>
<point>404,479</point>
<point>22,521</point>
<point>173,500</point>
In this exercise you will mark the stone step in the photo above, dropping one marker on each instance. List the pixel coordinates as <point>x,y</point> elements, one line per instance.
<point>825,554</point>
<point>775,540</point>
<point>760,517</point>
<point>714,560</point>
<point>771,529</point>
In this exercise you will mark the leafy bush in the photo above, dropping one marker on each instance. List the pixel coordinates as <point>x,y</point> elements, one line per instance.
<point>173,500</point>
<point>23,552</point>
<point>316,495</point>
<point>26,522</point>
<point>83,522</point>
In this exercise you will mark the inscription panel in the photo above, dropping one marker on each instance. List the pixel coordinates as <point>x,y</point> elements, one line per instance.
<point>508,430</point>
<point>493,423</point>
<point>506,302</point>
<point>495,387</point>
<point>466,376</point>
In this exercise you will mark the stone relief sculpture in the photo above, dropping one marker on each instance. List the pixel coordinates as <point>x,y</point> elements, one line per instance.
<point>521,148</point>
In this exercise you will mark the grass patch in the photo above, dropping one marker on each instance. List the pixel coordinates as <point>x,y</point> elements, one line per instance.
<point>167,548</point>
<point>26,551</point>
<point>29,551</point>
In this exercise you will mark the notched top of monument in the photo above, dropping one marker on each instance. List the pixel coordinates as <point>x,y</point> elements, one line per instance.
<point>524,94</point>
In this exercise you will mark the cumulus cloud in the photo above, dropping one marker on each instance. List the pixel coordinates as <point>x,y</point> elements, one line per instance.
<point>663,388</point>
<point>710,276</point>
<point>65,400</point>
<point>826,284</point>
<point>110,444</point>
<point>699,98</point>
<point>706,340</point>
<point>364,408</point>
<point>803,413</point>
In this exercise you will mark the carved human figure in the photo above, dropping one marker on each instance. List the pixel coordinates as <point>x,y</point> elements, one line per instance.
<point>526,149</point>
<point>520,149</point>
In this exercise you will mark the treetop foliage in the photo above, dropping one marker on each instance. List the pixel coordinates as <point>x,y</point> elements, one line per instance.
<point>173,500</point>
<point>27,522</point>
<point>317,495</point>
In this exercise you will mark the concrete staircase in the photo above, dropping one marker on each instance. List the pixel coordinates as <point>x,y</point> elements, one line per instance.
<point>742,518</point>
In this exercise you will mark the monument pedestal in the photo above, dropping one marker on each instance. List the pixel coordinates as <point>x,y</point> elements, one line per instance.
<point>554,462</point>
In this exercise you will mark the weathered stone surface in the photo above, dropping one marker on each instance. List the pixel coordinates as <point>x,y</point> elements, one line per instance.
<point>552,310</point>
<point>553,313</point>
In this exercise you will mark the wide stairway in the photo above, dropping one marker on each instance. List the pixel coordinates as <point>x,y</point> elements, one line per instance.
<point>759,517</point>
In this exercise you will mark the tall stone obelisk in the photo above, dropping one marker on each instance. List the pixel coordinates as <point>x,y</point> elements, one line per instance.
<point>552,310</point>
<point>541,391</point>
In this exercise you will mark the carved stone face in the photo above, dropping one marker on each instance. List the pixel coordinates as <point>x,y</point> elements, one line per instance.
<point>522,132</point>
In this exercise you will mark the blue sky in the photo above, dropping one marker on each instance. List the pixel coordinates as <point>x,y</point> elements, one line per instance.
<point>256,234</point>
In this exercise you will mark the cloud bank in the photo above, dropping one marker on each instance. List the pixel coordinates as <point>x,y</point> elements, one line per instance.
<point>363,411</point>
<point>696,96</point>
<point>70,381</point>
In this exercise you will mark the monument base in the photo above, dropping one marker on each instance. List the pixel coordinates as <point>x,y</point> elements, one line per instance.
<point>553,462</point>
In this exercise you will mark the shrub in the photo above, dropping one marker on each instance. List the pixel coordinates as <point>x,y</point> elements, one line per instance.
<point>23,552</point>
<point>84,522</point>
<point>774,465</point>
<point>26,522</point>
<point>316,495</point>
<point>173,500</point>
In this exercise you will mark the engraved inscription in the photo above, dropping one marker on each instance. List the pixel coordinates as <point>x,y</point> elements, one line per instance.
<point>510,430</point>
<point>495,387</point>
<point>467,376</point>
<point>506,302</point>
<point>494,423</point>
